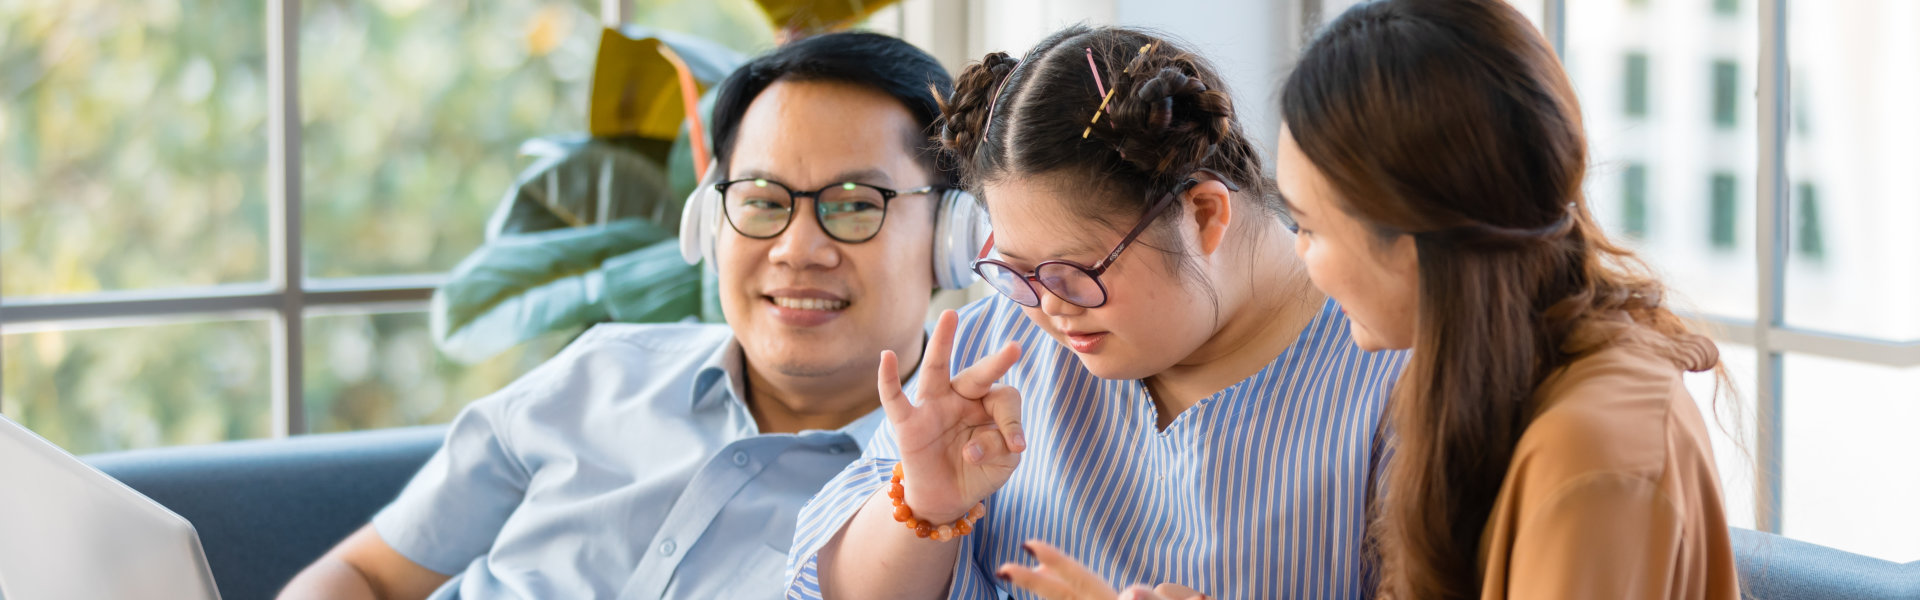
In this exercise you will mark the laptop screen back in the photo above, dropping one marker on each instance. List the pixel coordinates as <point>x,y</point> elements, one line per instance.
<point>71,531</point>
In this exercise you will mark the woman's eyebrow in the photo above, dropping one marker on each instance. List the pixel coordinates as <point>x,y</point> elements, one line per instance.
<point>1292,208</point>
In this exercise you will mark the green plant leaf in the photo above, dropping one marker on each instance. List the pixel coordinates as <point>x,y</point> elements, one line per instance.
<point>518,286</point>
<point>576,180</point>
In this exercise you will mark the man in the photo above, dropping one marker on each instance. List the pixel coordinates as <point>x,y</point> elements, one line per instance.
<point>670,461</point>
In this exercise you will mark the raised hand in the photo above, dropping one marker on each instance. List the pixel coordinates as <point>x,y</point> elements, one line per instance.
<point>960,438</point>
<point>1060,577</point>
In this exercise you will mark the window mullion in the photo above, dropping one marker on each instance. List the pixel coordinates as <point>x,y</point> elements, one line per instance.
<point>614,13</point>
<point>1770,246</point>
<point>1553,19</point>
<point>283,165</point>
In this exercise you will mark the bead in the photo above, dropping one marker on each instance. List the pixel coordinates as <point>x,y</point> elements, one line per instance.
<point>921,528</point>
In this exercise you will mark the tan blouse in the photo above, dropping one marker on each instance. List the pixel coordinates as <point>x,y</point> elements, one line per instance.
<point>1612,492</point>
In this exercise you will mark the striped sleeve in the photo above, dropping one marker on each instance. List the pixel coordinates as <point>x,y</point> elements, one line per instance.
<point>830,511</point>
<point>833,507</point>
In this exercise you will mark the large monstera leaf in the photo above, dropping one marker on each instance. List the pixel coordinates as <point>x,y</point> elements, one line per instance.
<point>588,232</point>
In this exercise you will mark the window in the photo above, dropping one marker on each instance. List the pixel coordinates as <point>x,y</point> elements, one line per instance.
<point>1633,219</point>
<point>1807,275</point>
<point>1636,84</point>
<point>1850,162</point>
<point>114,388</point>
<point>162,284</point>
<point>1808,240</point>
<point>1726,84</point>
<point>1721,230</point>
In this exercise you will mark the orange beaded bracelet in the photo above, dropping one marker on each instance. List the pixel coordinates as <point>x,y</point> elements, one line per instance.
<point>921,527</point>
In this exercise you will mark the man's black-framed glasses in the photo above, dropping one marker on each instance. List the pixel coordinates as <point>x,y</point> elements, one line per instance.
<point>850,211</point>
<point>1078,285</point>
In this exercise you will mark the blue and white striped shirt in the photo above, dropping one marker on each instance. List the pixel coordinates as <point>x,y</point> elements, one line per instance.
<point>1258,491</point>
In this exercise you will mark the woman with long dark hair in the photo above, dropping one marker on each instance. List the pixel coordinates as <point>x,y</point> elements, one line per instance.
<point>1544,446</point>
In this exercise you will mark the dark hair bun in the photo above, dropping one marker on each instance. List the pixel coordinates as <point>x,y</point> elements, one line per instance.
<point>1165,120</point>
<point>964,116</point>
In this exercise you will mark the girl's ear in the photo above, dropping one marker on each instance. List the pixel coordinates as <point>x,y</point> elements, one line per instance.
<point>1211,208</point>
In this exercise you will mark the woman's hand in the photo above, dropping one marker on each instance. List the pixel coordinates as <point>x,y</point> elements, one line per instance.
<point>1059,577</point>
<point>961,440</point>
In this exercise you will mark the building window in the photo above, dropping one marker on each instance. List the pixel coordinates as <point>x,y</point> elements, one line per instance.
<point>1634,201</point>
<point>1726,84</point>
<point>1808,240</point>
<point>1636,84</point>
<point>1724,205</point>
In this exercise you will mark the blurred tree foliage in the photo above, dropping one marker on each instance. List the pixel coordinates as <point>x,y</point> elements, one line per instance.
<point>133,155</point>
<point>133,146</point>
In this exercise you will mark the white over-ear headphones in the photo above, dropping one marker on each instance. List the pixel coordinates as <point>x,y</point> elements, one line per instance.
<point>959,230</point>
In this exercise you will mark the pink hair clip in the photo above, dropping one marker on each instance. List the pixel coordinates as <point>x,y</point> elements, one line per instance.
<point>1106,95</point>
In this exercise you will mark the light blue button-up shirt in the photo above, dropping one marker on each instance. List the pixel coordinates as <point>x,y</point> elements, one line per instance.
<point>627,466</point>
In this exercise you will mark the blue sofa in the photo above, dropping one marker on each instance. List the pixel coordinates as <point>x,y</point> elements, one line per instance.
<point>265,509</point>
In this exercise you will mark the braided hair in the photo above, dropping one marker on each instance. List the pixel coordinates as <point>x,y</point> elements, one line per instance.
<point>1164,113</point>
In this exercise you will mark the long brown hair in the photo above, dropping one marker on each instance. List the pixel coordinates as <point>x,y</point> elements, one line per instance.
<point>1453,122</point>
<point>1170,114</point>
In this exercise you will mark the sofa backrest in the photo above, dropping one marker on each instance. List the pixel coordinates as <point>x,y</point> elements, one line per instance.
<point>267,508</point>
<point>1776,568</point>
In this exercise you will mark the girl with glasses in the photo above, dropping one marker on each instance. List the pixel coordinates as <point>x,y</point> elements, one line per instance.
<point>1157,390</point>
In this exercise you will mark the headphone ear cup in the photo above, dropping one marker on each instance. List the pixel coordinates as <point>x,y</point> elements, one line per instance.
<point>959,231</point>
<point>699,219</point>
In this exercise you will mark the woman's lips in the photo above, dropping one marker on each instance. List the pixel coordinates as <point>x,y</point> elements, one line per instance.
<point>1085,343</point>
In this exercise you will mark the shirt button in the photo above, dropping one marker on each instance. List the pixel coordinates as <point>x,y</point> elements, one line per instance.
<point>835,449</point>
<point>739,458</point>
<point>667,548</point>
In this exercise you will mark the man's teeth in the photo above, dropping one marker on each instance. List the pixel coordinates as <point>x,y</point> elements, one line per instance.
<point>810,303</point>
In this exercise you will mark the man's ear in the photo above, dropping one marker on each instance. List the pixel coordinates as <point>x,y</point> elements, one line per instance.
<point>1210,206</point>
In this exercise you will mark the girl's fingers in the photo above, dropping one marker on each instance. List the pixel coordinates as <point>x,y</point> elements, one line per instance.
<point>937,359</point>
<point>1003,404</point>
<point>977,380</point>
<point>986,445</point>
<point>1038,581</point>
<point>1141,592</point>
<point>892,400</point>
<point>1070,571</point>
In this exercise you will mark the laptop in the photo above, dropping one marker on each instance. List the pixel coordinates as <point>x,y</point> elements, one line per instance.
<point>70,531</point>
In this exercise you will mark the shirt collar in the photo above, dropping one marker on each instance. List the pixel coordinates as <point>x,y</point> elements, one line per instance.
<point>728,364</point>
